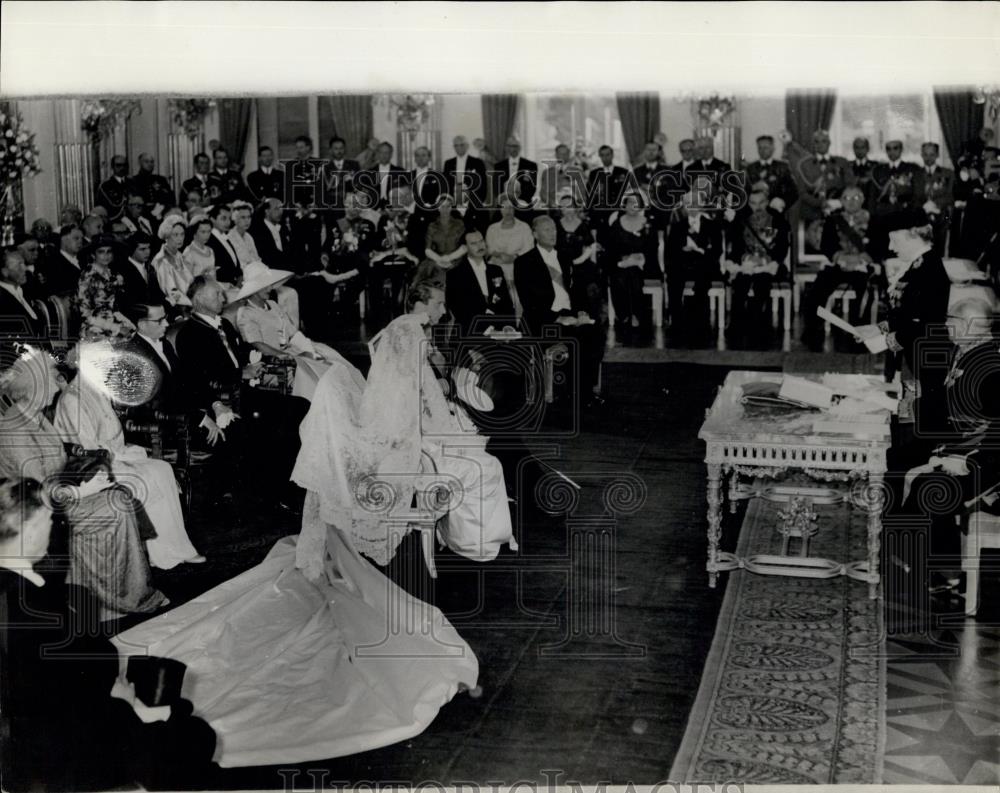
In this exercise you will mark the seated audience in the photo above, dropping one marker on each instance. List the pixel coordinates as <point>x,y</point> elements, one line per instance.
<point>845,245</point>
<point>693,249</point>
<point>393,260</point>
<point>478,289</point>
<point>173,273</point>
<point>758,246</point>
<point>106,554</point>
<point>85,416</point>
<point>92,227</point>
<point>552,293</point>
<point>74,724</point>
<point>18,319</point>
<point>349,243</point>
<point>632,254</point>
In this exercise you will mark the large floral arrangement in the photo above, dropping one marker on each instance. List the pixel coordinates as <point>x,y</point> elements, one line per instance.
<point>190,114</point>
<point>715,110</point>
<point>98,117</point>
<point>18,154</point>
<point>18,158</point>
<point>412,110</point>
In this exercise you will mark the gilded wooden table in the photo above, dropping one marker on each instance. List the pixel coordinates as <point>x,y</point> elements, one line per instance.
<point>755,443</point>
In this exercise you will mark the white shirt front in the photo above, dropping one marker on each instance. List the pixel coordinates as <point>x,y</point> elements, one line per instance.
<point>418,178</point>
<point>479,268</point>
<point>244,246</point>
<point>275,230</point>
<point>157,344</point>
<point>560,301</point>
<point>383,176</point>
<point>765,163</point>
<point>71,259</point>
<point>141,268</point>
<point>460,162</point>
<point>19,296</point>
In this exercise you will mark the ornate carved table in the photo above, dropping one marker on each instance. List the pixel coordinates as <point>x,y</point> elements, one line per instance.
<point>760,443</point>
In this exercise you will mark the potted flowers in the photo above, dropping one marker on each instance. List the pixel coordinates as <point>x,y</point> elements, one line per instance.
<point>18,158</point>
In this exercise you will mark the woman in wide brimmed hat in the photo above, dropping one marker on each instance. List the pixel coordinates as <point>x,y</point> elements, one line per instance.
<point>265,326</point>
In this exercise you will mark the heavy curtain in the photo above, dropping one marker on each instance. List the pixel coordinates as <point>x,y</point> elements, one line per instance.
<point>234,126</point>
<point>807,111</point>
<point>640,117</point>
<point>499,113</point>
<point>352,119</point>
<point>961,118</point>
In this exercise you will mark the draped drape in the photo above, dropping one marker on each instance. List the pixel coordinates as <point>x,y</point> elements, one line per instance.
<point>807,111</point>
<point>234,126</point>
<point>640,117</point>
<point>961,118</point>
<point>499,114</point>
<point>353,120</point>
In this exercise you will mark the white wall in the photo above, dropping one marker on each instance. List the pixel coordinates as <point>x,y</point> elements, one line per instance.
<point>40,192</point>
<point>761,115</point>
<point>461,114</point>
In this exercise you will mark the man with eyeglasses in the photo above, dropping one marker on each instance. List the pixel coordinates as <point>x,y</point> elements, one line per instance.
<point>150,343</point>
<point>894,198</point>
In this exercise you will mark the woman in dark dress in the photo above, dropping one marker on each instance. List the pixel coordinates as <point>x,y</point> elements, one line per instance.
<point>575,242</point>
<point>631,256</point>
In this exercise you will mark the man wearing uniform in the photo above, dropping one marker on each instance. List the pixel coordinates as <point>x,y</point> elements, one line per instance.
<point>860,175</point>
<point>113,191</point>
<point>894,198</point>
<point>935,189</point>
<point>821,177</point>
<point>773,174</point>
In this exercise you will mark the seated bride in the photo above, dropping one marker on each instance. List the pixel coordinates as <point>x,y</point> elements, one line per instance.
<point>314,653</point>
<point>389,430</point>
<point>265,326</point>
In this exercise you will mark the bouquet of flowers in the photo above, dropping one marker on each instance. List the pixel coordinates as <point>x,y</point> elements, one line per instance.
<point>98,117</point>
<point>190,113</point>
<point>412,110</point>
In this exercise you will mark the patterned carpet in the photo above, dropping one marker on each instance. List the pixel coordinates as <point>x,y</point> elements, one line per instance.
<point>794,688</point>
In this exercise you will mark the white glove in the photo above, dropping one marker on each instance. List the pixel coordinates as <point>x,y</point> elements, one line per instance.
<point>777,204</point>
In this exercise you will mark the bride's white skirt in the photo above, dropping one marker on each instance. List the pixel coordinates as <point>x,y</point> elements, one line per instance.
<point>287,670</point>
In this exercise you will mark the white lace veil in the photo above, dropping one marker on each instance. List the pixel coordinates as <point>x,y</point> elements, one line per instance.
<point>361,443</point>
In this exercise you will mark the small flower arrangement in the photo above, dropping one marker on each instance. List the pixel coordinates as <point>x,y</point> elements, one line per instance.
<point>98,117</point>
<point>18,153</point>
<point>412,110</point>
<point>715,110</point>
<point>189,114</point>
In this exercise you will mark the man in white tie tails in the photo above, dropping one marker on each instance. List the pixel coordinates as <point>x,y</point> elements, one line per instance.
<point>17,318</point>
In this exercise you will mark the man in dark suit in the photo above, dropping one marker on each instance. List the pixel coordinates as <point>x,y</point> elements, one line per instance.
<point>686,149</point>
<point>774,174</point>
<point>935,193</point>
<point>267,181</point>
<point>477,289</point>
<point>149,342</point>
<point>134,216</point>
<point>154,188</point>
<point>17,318</point>
<point>199,182</point>
<point>467,182</point>
<point>113,191</point>
<point>62,269</point>
<point>514,167</point>
<point>545,286</point>
<point>894,204</point>
<point>271,235</point>
<point>376,184</point>
<point>426,187</point>
<point>139,281</point>
<point>706,174</point>
<point>693,246</point>
<point>227,263</point>
<point>860,170</point>
<point>605,187</point>
<point>338,178</point>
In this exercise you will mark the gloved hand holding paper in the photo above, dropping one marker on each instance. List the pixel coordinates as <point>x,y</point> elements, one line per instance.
<point>872,337</point>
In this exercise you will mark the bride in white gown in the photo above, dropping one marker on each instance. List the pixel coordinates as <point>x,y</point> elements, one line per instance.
<point>314,653</point>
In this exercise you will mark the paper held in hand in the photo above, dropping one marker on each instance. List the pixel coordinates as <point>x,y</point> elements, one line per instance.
<point>875,345</point>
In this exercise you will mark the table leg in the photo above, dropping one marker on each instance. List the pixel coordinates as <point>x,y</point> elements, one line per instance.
<point>734,483</point>
<point>714,520</point>
<point>875,503</point>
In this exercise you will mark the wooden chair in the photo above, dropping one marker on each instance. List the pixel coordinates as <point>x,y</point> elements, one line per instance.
<point>651,287</point>
<point>807,268</point>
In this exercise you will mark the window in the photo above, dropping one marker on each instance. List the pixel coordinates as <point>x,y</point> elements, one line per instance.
<point>583,122</point>
<point>881,117</point>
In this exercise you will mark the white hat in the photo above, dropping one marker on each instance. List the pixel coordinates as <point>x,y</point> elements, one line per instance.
<point>257,276</point>
<point>168,225</point>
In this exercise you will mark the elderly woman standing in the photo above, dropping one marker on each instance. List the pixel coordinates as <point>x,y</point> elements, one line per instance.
<point>84,415</point>
<point>172,270</point>
<point>106,553</point>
